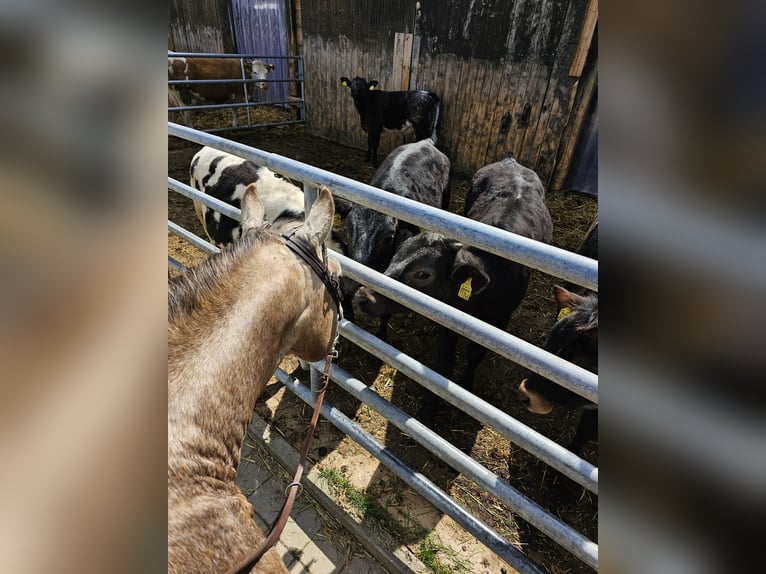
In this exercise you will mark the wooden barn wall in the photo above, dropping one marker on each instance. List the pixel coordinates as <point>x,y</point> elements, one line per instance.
<point>200,26</point>
<point>486,60</point>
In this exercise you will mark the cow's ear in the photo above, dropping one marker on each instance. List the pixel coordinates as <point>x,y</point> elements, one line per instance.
<point>270,67</point>
<point>565,299</point>
<point>371,85</point>
<point>252,209</point>
<point>469,277</point>
<point>345,81</point>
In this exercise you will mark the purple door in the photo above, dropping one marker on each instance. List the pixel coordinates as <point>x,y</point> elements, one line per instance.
<point>260,27</point>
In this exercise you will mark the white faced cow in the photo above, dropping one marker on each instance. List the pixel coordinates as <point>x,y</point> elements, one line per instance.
<point>213,69</point>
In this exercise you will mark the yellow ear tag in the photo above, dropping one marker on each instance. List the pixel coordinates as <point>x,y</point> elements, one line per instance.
<point>372,88</point>
<point>465,289</point>
<point>563,313</point>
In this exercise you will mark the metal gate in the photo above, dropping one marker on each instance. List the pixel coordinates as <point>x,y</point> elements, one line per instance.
<point>284,79</point>
<point>546,258</point>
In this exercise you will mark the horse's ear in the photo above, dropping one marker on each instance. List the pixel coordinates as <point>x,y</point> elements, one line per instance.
<point>252,209</point>
<point>319,220</point>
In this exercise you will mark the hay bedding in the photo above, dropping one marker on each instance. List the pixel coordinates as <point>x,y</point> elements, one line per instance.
<point>496,380</point>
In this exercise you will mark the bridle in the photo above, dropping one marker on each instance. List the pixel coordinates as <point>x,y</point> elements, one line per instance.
<point>303,250</point>
<point>306,252</point>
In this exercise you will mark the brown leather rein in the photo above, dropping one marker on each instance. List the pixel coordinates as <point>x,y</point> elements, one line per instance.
<point>305,252</point>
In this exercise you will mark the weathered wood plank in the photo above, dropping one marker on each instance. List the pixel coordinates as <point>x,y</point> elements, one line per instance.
<point>494,116</point>
<point>407,63</point>
<point>498,143</point>
<point>534,106</point>
<point>415,65</point>
<point>583,46</point>
<point>484,114</point>
<point>466,87</point>
<point>445,78</point>
<point>454,70</point>
<point>401,61</point>
<point>520,90</point>
<point>587,88</point>
<point>543,142</point>
<point>475,98</point>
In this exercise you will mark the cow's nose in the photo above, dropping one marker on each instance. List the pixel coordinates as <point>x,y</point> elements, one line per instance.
<point>362,298</point>
<point>523,397</point>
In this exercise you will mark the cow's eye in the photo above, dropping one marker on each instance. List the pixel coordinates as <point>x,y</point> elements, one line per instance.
<point>388,240</point>
<point>422,275</point>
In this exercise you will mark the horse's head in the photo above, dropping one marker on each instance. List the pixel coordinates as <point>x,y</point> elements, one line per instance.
<point>316,328</point>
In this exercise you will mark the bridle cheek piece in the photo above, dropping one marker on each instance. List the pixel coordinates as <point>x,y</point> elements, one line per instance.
<point>303,250</point>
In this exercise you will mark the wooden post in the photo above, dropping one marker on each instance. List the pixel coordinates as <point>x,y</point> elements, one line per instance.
<point>298,26</point>
<point>586,36</point>
<point>292,66</point>
<point>402,61</point>
<point>415,61</point>
<point>571,134</point>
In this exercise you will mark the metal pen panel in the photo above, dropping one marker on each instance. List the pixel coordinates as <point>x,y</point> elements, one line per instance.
<point>561,533</point>
<point>550,452</point>
<point>546,258</point>
<point>569,375</point>
<point>418,481</point>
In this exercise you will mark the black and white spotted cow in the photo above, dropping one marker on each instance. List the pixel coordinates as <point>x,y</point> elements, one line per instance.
<point>379,109</point>
<point>226,177</point>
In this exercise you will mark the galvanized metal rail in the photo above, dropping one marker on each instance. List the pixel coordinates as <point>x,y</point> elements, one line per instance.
<point>298,102</point>
<point>540,256</point>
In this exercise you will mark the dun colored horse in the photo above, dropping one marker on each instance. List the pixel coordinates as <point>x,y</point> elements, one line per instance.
<point>230,322</point>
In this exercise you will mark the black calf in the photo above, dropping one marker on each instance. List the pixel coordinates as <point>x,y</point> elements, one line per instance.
<point>574,337</point>
<point>379,109</point>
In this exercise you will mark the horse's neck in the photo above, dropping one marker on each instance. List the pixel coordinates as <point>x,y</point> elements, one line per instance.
<point>220,360</point>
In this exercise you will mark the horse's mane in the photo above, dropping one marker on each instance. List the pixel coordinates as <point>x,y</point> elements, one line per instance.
<point>186,292</point>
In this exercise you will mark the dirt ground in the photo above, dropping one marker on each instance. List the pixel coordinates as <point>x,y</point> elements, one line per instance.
<point>496,382</point>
